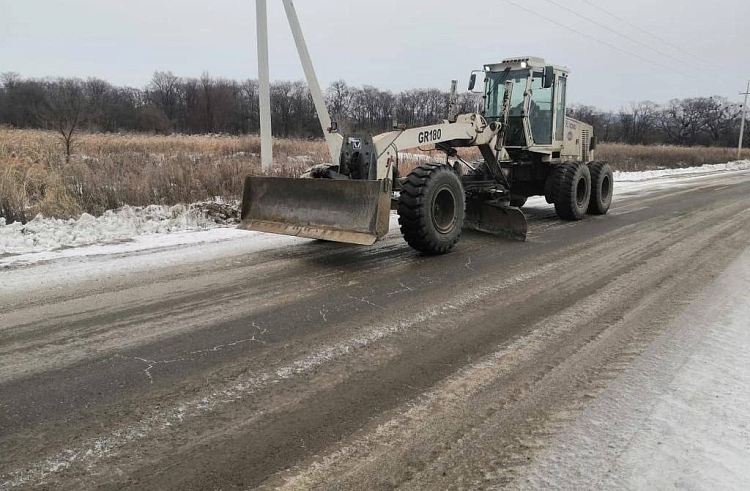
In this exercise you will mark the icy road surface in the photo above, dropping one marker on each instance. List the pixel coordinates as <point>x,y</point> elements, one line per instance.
<point>603,354</point>
<point>678,417</point>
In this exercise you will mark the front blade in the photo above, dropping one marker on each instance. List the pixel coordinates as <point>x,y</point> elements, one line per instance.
<point>352,211</point>
<point>494,218</point>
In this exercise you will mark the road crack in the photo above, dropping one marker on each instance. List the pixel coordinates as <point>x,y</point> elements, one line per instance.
<point>192,355</point>
<point>364,300</point>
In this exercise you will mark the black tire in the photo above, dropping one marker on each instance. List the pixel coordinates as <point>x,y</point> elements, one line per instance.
<point>571,189</point>
<point>602,187</point>
<point>518,201</point>
<point>431,208</point>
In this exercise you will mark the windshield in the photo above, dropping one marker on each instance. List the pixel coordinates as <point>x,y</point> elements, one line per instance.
<point>496,92</point>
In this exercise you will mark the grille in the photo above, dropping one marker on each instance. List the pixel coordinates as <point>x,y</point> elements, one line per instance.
<point>585,145</point>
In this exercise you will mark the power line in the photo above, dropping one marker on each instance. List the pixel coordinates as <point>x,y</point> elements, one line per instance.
<point>661,40</point>
<point>698,73</point>
<point>625,36</point>
<point>595,39</point>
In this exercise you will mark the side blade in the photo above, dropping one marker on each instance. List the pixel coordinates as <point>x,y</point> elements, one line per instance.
<point>493,218</point>
<point>353,211</point>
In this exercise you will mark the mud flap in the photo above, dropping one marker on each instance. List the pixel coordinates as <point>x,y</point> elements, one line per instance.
<point>352,211</point>
<point>494,218</point>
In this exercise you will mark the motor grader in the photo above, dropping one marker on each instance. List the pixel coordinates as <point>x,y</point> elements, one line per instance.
<point>528,147</point>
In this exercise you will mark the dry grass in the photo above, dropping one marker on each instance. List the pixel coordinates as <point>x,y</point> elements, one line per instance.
<point>624,157</point>
<point>649,157</point>
<point>107,171</point>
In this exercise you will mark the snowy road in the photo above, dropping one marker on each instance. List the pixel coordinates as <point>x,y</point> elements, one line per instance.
<point>608,353</point>
<point>678,417</point>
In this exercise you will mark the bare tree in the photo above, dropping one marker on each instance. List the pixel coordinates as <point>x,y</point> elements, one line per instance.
<point>720,120</point>
<point>249,109</point>
<point>206,85</point>
<point>469,102</point>
<point>637,121</point>
<point>97,92</point>
<point>64,109</point>
<point>680,120</point>
<point>9,80</point>
<point>281,108</point>
<point>339,99</point>
<point>152,119</point>
<point>164,92</point>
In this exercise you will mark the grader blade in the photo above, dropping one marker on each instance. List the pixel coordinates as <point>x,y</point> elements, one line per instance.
<point>352,211</point>
<point>494,218</point>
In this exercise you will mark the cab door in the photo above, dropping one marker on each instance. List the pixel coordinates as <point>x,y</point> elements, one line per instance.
<point>541,110</point>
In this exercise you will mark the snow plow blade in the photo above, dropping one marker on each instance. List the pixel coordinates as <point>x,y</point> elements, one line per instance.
<point>497,219</point>
<point>351,211</point>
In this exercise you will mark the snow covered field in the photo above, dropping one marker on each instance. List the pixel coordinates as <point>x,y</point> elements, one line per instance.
<point>133,229</point>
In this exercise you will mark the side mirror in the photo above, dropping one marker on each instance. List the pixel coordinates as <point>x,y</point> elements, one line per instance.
<point>472,81</point>
<point>548,79</point>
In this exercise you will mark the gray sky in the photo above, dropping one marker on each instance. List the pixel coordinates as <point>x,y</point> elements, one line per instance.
<point>390,44</point>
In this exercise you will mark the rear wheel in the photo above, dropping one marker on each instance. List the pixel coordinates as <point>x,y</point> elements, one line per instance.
<point>431,208</point>
<point>571,190</point>
<point>602,185</point>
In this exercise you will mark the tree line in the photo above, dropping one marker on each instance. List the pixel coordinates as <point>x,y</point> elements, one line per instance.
<point>216,105</point>
<point>707,121</point>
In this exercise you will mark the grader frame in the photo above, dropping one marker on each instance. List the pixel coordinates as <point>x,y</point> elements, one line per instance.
<point>527,144</point>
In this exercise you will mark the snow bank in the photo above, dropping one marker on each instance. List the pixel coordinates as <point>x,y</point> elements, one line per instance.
<point>46,234</point>
<point>648,175</point>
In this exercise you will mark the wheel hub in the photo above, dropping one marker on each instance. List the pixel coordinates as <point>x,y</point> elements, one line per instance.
<point>605,188</point>
<point>581,192</point>
<point>444,210</point>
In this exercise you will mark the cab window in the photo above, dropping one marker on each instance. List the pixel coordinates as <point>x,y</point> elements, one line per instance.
<point>560,123</point>
<point>515,135</point>
<point>540,111</point>
<point>496,91</point>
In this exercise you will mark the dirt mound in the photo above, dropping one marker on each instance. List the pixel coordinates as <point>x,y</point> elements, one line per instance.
<point>221,213</point>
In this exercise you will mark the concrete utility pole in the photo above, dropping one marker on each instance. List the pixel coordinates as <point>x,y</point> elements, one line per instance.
<point>264,86</point>
<point>742,125</point>
<point>332,139</point>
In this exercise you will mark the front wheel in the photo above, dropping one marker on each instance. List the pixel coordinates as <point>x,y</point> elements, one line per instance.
<point>431,208</point>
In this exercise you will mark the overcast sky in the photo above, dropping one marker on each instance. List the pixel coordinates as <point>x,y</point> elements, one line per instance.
<point>391,44</point>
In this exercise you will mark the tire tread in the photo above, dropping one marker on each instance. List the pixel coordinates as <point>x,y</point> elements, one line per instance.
<point>564,189</point>
<point>413,212</point>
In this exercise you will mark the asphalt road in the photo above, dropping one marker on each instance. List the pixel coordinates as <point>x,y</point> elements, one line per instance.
<point>330,366</point>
